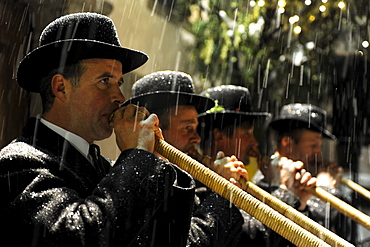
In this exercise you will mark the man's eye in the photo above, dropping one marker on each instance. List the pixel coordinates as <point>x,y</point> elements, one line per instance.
<point>105,81</point>
<point>189,128</point>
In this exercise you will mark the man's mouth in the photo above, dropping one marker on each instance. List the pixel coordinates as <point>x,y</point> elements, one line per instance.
<point>107,117</point>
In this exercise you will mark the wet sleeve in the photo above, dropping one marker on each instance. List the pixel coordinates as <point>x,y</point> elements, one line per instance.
<point>255,233</point>
<point>133,205</point>
<point>215,222</point>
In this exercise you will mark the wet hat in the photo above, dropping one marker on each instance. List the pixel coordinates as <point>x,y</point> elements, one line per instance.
<point>234,103</point>
<point>163,89</point>
<point>72,38</point>
<point>297,116</point>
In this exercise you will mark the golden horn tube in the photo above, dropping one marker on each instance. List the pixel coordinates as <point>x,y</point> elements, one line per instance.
<point>340,205</point>
<point>262,212</point>
<point>356,187</point>
<point>286,210</point>
<point>296,216</point>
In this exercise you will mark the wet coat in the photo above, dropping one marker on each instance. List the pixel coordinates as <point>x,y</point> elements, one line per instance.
<point>216,222</point>
<point>52,196</point>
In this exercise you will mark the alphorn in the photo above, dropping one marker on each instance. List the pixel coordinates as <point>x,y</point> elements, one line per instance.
<point>356,187</point>
<point>283,208</point>
<point>256,208</point>
<point>206,160</point>
<point>340,205</point>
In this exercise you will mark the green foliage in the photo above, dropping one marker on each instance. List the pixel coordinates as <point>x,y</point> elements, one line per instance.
<point>255,46</point>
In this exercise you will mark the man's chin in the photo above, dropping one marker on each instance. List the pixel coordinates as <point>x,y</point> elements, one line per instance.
<point>186,149</point>
<point>106,133</point>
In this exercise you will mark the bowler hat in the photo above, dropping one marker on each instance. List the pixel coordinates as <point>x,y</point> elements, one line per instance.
<point>72,38</point>
<point>234,103</point>
<point>163,89</point>
<point>297,116</point>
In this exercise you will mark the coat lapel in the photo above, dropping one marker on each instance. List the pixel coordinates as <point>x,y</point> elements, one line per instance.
<point>66,158</point>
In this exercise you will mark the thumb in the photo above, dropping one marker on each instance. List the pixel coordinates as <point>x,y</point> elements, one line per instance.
<point>220,155</point>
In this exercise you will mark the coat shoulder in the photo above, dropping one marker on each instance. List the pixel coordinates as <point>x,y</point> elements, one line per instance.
<point>21,151</point>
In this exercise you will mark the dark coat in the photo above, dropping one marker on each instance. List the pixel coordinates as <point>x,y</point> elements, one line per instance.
<point>52,196</point>
<point>216,222</point>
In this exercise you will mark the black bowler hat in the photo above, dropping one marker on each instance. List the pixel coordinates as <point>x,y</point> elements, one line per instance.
<point>163,89</point>
<point>234,103</point>
<point>72,38</point>
<point>297,116</point>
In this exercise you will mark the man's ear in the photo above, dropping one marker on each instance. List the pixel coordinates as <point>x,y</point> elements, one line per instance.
<point>286,142</point>
<point>58,86</point>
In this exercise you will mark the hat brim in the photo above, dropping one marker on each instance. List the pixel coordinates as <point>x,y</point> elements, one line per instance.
<point>285,125</point>
<point>41,61</point>
<point>224,118</point>
<point>158,100</point>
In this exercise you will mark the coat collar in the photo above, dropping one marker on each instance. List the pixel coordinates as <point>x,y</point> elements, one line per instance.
<point>60,150</point>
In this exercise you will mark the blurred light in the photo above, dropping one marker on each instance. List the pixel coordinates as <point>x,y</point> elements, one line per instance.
<point>297,30</point>
<point>293,19</point>
<point>222,13</point>
<point>254,29</point>
<point>281,3</point>
<point>307,2</point>
<point>241,28</point>
<point>322,8</point>
<point>252,3</point>
<point>298,56</point>
<point>261,3</point>
<point>365,44</point>
<point>281,10</point>
<point>310,45</point>
<point>341,5</point>
<point>312,18</point>
<point>324,1</point>
<point>230,33</point>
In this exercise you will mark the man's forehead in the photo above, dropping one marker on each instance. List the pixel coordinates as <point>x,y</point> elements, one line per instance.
<point>105,61</point>
<point>185,114</point>
<point>187,118</point>
<point>248,124</point>
<point>310,135</point>
<point>105,67</point>
<point>183,109</point>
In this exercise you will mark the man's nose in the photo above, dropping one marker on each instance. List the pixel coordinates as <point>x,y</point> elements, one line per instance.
<point>117,95</point>
<point>253,141</point>
<point>195,138</point>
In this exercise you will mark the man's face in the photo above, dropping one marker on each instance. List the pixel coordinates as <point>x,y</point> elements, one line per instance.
<point>182,131</point>
<point>95,99</point>
<point>307,149</point>
<point>241,143</point>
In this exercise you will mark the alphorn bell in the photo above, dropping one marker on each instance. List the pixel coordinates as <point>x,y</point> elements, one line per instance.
<point>262,212</point>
